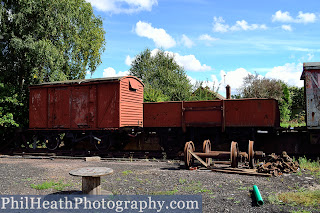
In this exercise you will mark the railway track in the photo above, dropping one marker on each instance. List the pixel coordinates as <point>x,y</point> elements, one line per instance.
<point>81,154</point>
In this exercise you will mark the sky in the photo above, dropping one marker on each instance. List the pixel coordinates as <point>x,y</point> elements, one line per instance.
<point>216,41</point>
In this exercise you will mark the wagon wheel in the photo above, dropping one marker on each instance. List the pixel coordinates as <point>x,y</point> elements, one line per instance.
<point>188,160</point>
<point>251,154</point>
<point>52,141</point>
<point>103,144</point>
<point>234,153</point>
<point>206,148</point>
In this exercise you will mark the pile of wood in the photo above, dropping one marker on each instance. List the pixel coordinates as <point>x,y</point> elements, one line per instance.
<point>278,164</point>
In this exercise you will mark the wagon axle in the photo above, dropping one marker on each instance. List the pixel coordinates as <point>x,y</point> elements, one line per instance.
<point>207,155</point>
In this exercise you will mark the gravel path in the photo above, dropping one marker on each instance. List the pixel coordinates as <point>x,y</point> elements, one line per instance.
<point>220,192</point>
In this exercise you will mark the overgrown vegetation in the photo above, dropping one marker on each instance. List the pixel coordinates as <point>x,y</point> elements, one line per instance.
<point>301,196</point>
<point>312,167</point>
<point>290,98</point>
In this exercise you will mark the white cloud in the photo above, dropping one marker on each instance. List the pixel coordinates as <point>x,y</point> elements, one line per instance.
<point>282,17</point>
<point>123,6</point>
<point>160,37</point>
<point>305,18</point>
<point>286,27</point>
<point>110,72</point>
<point>189,62</point>
<point>129,60</point>
<point>233,78</point>
<point>219,26</point>
<point>206,37</point>
<point>187,41</point>
<point>301,49</point>
<point>289,73</point>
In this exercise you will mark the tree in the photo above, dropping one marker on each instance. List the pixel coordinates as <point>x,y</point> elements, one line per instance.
<point>164,79</point>
<point>44,41</point>
<point>255,86</point>
<point>202,93</point>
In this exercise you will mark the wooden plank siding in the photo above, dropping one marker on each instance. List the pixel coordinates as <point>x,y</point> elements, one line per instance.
<point>131,102</point>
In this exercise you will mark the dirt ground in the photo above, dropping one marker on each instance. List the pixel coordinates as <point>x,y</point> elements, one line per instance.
<point>220,192</point>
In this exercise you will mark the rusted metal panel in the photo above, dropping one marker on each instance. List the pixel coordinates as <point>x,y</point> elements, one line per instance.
<point>311,77</point>
<point>251,113</point>
<point>162,114</point>
<point>131,102</point>
<point>202,113</point>
<point>38,108</point>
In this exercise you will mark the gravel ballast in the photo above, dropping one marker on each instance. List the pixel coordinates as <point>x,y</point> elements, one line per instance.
<point>220,192</point>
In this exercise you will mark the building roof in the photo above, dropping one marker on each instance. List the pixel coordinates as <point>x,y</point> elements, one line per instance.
<point>310,66</point>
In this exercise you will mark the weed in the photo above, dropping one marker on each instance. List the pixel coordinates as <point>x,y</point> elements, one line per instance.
<point>27,179</point>
<point>302,197</point>
<point>182,181</point>
<point>139,180</point>
<point>244,188</point>
<point>236,202</point>
<point>170,192</point>
<point>127,172</point>
<point>196,187</point>
<point>230,198</point>
<point>312,166</point>
<point>300,211</point>
<point>59,186</point>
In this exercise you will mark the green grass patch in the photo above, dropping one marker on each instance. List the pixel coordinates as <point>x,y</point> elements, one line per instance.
<point>127,172</point>
<point>59,186</point>
<point>197,187</point>
<point>182,180</point>
<point>299,198</point>
<point>312,166</point>
<point>170,192</point>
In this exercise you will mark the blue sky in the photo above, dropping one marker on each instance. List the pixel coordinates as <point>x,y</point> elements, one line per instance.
<point>219,41</point>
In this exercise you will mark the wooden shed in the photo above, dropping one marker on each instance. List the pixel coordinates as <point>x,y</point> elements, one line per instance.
<point>92,104</point>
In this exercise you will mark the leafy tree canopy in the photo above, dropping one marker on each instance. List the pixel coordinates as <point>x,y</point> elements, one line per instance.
<point>42,41</point>
<point>255,86</point>
<point>164,79</point>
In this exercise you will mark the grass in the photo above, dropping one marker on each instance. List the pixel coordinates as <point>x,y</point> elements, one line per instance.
<point>59,186</point>
<point>311,167</point>
<point>292,124</point>
<point>301,196</point>
<point>169,192</point>
<point>306,198</point>
<point>127,172</point>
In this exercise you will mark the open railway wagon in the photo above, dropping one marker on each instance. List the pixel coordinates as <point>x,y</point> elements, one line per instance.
<point>222,121</point>
<point>103,111</point>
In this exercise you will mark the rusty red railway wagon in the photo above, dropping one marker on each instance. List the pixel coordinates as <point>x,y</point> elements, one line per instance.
<point>89,108</point>
<point>216,119</point>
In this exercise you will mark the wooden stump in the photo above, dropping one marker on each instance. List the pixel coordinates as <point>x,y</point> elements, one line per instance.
<point>91,178</point>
